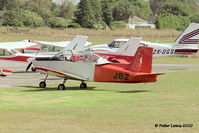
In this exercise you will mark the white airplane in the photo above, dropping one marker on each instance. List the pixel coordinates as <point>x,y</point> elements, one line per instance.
<point>11,51</point>
<point>46,46</point>
<point>90,67</point>
<point>74,47</point>
<point>186,43</point>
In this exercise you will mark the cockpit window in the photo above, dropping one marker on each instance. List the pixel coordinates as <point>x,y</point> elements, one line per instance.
<point>111,44</point>
<point>4,52</point>
<point>13,51</point>
<point>116,44</point>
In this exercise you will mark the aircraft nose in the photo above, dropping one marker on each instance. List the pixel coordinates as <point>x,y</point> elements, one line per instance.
<point>30,60</point>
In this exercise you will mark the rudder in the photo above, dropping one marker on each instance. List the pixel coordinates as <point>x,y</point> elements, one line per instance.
<point>142,61</point>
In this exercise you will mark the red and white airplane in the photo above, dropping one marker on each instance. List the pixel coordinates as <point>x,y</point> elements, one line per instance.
<point>90,67</point>
<point>186,43</point>
<point>8,50</point>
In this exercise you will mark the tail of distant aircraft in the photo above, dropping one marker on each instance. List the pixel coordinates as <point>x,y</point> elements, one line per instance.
<point>190,37</point>
<point>77,44</point>
<point>142,61</point>
<point>130,47</point>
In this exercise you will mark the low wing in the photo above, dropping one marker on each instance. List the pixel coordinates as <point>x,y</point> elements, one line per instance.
<point>59,74</point>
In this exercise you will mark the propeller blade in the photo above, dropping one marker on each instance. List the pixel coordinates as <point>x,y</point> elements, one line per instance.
<point>28,67</point>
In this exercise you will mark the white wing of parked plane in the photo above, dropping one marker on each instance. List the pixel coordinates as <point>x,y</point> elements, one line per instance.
<point>16,45</point>
<point>61,44</point>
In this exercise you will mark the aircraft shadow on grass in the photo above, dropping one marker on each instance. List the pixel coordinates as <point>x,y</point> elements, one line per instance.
<point>77,88</point>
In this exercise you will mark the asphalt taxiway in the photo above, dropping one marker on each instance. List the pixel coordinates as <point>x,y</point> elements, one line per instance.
<point>21,78</point>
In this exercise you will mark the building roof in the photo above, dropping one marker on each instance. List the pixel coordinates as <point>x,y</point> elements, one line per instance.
<point>136,19</point>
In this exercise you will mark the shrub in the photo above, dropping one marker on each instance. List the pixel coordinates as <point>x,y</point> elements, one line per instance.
<point>117,25</point>
<point>73,25</point>
<point>32,19</point>
<point>195,18</point>
<point>12,18</point>
<point>58,22</point>
<point>172,22</point>
<point>20,19</point>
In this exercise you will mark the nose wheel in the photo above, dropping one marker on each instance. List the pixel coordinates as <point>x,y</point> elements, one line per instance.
<point>83,85</point>
<point>42,84</point>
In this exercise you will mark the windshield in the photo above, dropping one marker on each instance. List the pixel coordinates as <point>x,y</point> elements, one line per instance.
<point>13,51</point>
<point>116,44</point>
<point>84,56</point>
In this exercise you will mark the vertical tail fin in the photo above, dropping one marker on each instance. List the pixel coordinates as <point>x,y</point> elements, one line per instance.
<point>130,47</point>
<point>142,61</point>
<point>190,37</point>
<point>77,44</point>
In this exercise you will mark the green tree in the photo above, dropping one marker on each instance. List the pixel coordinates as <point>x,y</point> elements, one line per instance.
<point>41,7</point>
<point>106,12</point>
<point>156,6</point>
<point>16,5</point>
<point>67,9</point>
<point>20,19</point>
<point>141,8</point>
<point>176,8</point>
<point>84,15</point>
<point>97,13</point>
<point>122,10</point>
<point>194,18</point>
<point>173,22</point>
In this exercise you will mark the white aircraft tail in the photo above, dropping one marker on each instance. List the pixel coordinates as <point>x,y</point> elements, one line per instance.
<point>190,37</point>
<point>130,47</point>
<point>77,44</point>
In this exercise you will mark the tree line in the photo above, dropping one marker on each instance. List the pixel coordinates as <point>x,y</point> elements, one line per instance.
<point>97,14</point>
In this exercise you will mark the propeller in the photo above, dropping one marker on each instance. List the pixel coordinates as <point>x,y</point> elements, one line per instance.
<point>28,67</point>
<point>30,64</point>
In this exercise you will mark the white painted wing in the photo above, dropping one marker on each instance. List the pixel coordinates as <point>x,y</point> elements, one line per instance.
<point>61,44</point>
<point>59,74</point>
<point>16,45</point>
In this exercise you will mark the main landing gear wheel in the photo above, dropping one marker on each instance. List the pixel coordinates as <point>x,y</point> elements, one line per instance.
<point>83,85</point>
<point>33,69</point>
<point>42,84</point>
<point>61,87</point>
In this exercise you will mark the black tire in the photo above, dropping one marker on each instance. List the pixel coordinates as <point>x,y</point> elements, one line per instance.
<point>42,84</point>
<point>33,69</point>
<point>83,85</point>
<point>61,87</point>
<point>3,75</point>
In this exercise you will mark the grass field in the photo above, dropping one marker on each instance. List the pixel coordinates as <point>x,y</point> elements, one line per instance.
<point>95,36</point>
<point>104,107</point>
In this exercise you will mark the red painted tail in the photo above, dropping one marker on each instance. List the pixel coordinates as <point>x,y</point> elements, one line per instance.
<point>142,61</point>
